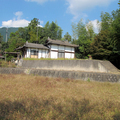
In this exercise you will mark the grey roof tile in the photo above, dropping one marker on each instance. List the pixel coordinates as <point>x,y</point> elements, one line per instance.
<point>59,42</point>
<point>33,45</point>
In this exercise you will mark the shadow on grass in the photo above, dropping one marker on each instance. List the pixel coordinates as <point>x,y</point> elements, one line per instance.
<point>116,116</point>
<point>47,109</point>
<point>7,108</point>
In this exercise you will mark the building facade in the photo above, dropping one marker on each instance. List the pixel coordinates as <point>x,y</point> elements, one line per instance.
<point>52,49</point>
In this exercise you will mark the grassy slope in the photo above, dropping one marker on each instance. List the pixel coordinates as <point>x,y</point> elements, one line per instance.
<point>35,97</point>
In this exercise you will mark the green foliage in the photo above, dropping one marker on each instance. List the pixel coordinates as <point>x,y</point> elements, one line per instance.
<point>33,33</point>
<point>7,64</point>
<point>84,38</point>
<point>53,31</point>
<point>1,38</point>
<point>106,20</point>
<point>67,37</point>
<point>102,47</point>
<point>106,44</point>
<point>47,59</point>
<point>88,79</point>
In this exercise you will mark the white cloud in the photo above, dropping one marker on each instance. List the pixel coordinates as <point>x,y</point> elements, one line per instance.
<point>96,25</point>
<point>18,14</point>
<point>76,7</point>
<point>39,1</point>
<point>17,22</point>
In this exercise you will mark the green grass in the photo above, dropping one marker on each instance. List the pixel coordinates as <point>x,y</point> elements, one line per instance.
<point>41,98</point>
<point>48,59</point>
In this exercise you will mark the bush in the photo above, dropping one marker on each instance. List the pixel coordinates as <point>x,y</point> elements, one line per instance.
<point>7,64</point>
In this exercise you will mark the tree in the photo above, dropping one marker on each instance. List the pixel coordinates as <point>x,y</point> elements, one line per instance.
<point>106,20</point>
<point>74,30</point>
<point>33,24</point>
<point>1,38</point>
<point>102,46</point>
<point>90,31</point>
<point>67,37</point>
<point>0,41</point>
<point>33,31</point>
<point>15,41</point>
<point>3,45</point>
<point>83,36</point>
<point>106,44</point>
<point>115,34</point>
<point>55,31</point>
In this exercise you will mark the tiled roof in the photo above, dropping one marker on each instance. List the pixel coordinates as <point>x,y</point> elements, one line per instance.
<point>59,42</point>
<point>33,45</point>
<point>49,41</point>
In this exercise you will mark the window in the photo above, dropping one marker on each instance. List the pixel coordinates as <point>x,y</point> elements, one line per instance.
<point>34,52</point>
<point>61,54</point>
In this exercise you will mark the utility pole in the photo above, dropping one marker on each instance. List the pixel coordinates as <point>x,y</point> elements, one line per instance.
<point>6,34</point>
<point>5,55</point>
<point>37,29</point>
<point>6,41</point>
<point>37,32</point>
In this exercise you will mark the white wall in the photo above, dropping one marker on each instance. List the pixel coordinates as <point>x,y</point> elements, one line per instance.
<point>67,55</point>
<point>27,53</point>
<point>39,53</point>
<point>72,56</point>
<point>43,53</point>
<point>67,49</point>
<point>54,55</point>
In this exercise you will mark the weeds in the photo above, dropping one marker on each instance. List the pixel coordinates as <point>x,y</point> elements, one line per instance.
<point>35,97</point>
<point>88,79</point>
<point>7,64</point>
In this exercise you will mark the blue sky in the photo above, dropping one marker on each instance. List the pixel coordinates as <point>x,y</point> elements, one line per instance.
<point>18,13</point>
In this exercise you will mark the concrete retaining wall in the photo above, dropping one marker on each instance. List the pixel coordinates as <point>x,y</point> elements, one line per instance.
<point>102,77</point>
<point>77,65</point>
<point>11,71</point>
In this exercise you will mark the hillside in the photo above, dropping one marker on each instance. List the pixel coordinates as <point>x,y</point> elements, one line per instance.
<point>3,32</point>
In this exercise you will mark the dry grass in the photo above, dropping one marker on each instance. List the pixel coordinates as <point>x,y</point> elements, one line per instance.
<point>7,64</point>
<point>40,98</point>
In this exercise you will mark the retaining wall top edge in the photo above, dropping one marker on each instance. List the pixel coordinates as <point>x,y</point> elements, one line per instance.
<point>63,70</point>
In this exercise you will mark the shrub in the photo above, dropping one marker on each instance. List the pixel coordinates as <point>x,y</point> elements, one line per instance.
<point>7,64</point>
